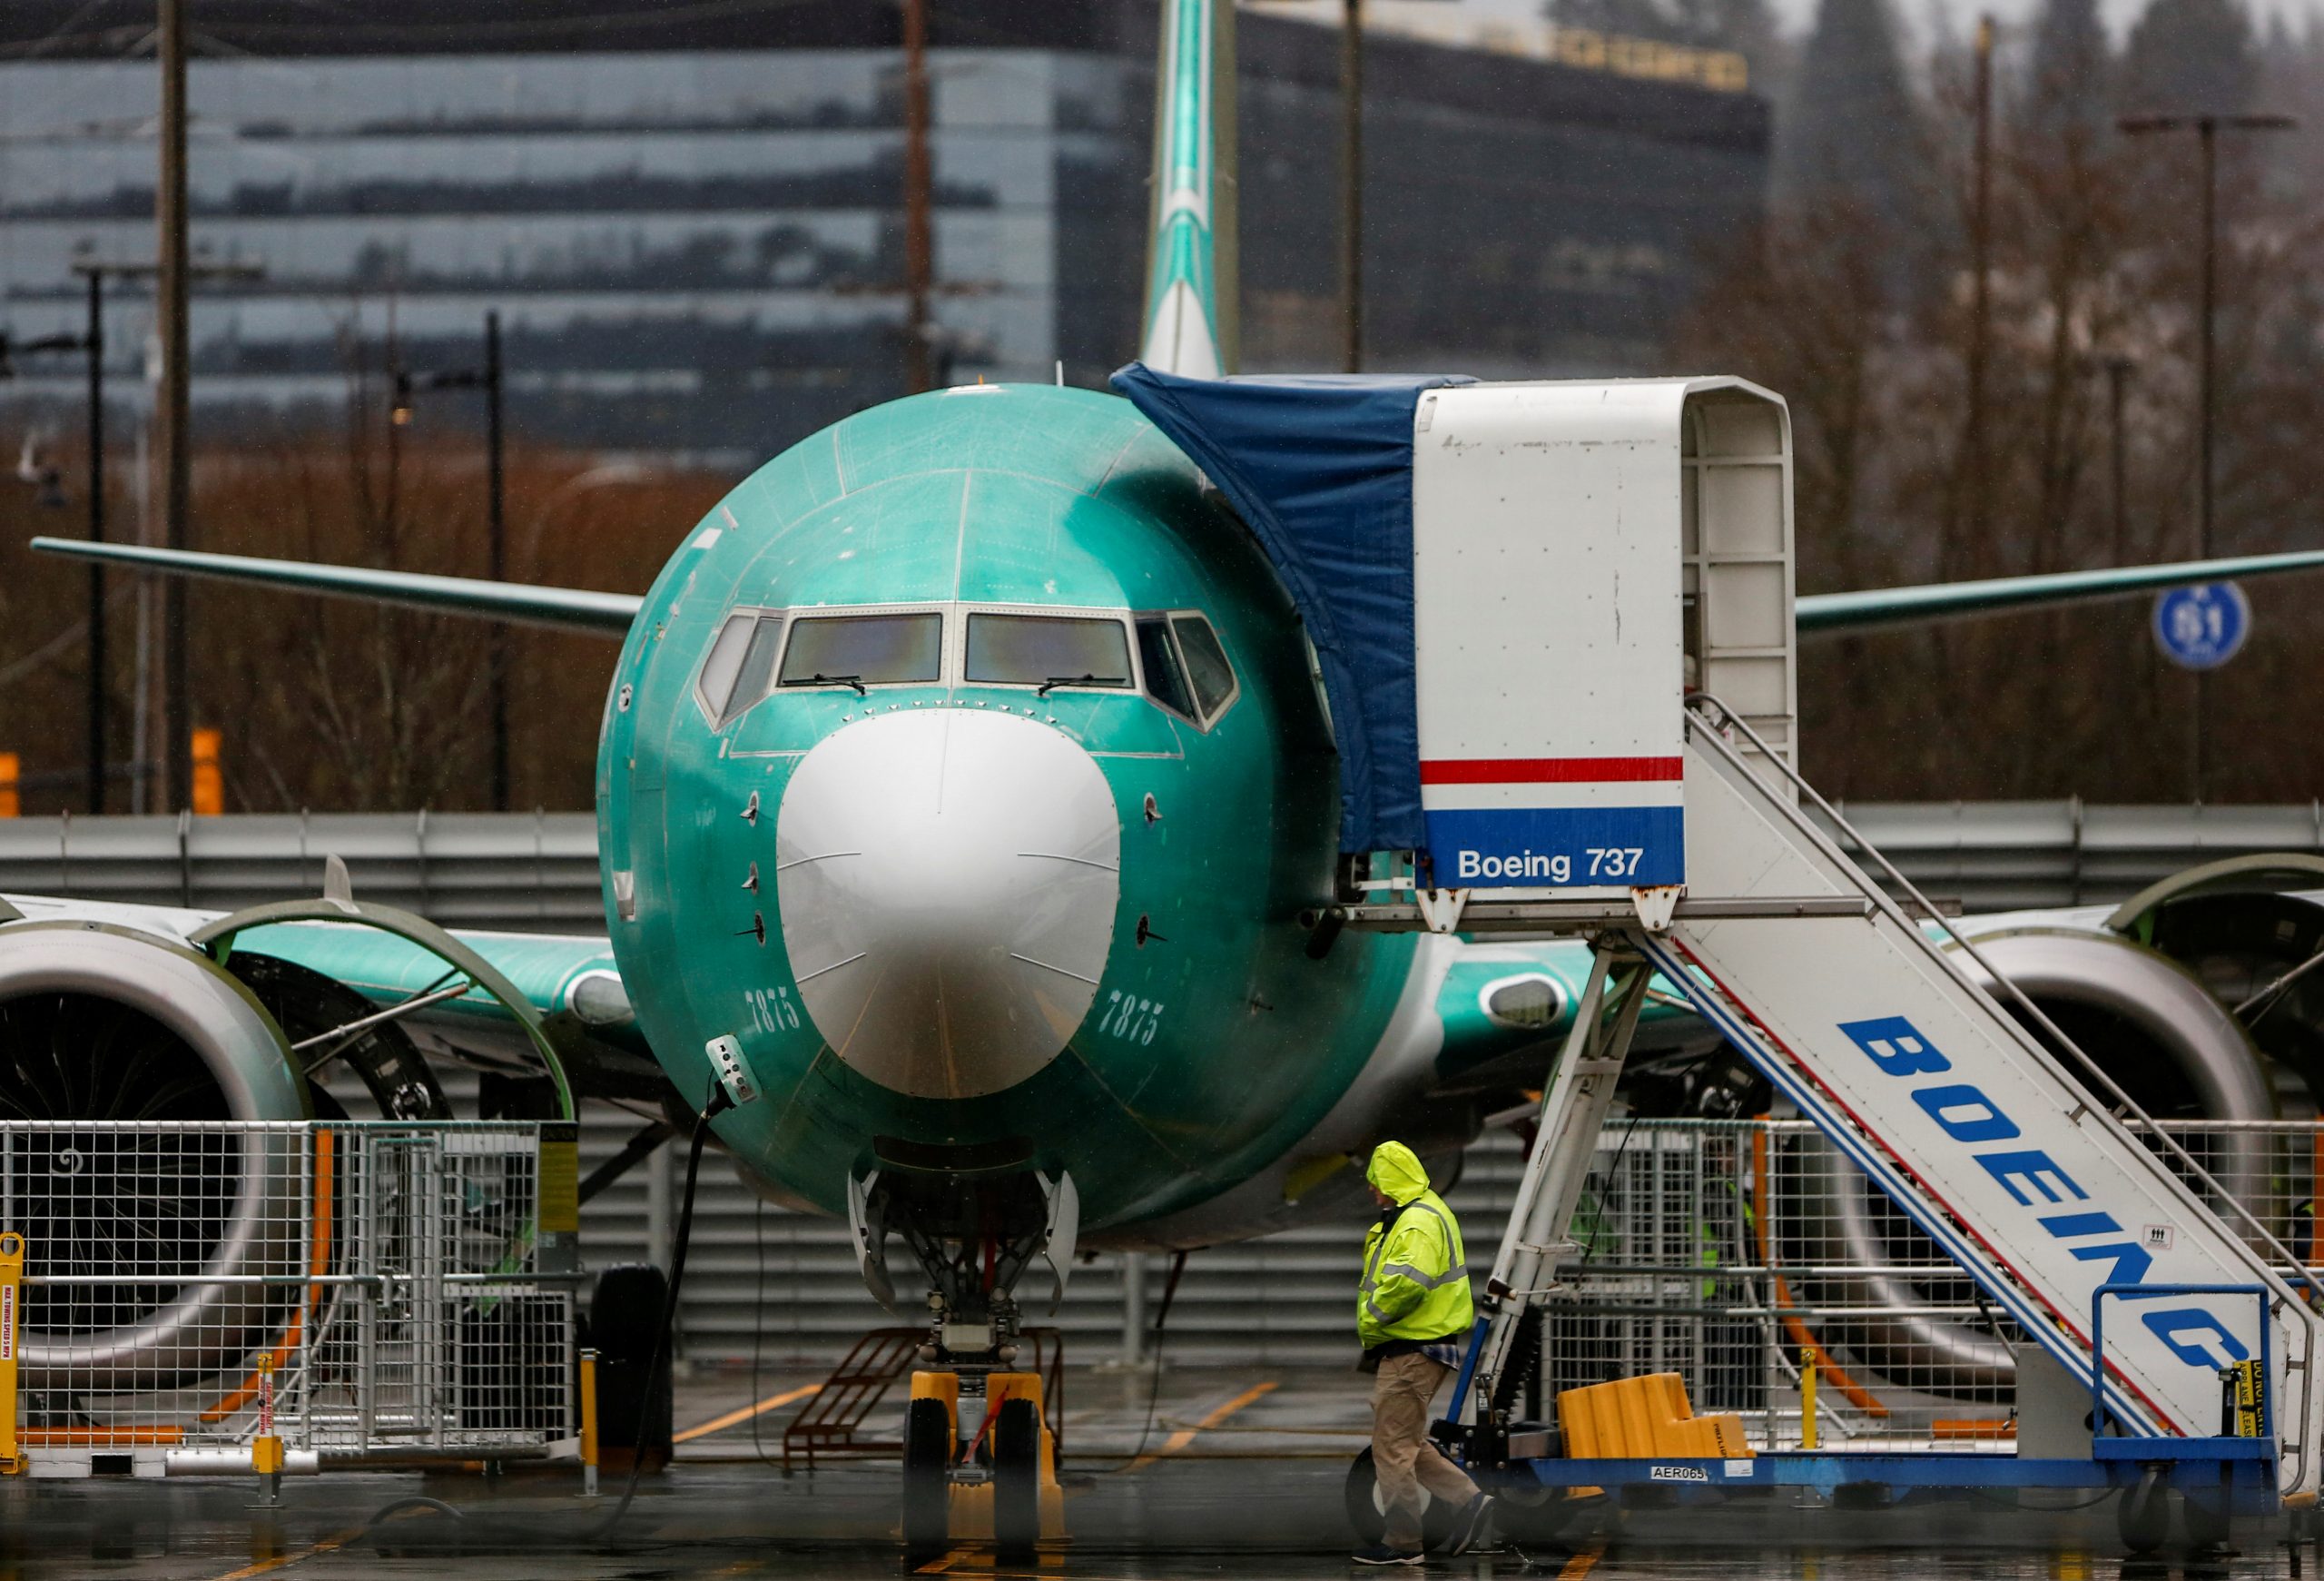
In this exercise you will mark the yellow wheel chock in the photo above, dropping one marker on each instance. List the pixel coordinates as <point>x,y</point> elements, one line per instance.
<point>1017,1501</point>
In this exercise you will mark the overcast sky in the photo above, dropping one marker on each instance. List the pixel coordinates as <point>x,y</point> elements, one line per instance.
<point>1796,14</point>
<point>2119,14</point>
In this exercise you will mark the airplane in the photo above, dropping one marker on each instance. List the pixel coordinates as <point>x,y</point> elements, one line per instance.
<point>966,790</point>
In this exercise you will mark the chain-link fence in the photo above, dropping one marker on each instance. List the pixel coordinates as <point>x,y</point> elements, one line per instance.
<point>376,1283</point>
<point>1736,1252</point>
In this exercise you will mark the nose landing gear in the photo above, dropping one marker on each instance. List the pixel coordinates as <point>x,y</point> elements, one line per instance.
<point>980,1455</point>
<point>994,1482</point>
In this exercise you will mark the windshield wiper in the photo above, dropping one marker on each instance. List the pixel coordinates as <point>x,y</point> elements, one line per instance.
<point>820,679</point>
<point>1054,682</point>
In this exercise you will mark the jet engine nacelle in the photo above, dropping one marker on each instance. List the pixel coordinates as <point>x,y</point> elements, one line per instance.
<point>2157,1031</point>
<point>104,1023</point>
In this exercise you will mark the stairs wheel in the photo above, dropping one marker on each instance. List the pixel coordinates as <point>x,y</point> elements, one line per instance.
<point>928,1464</point>
<point>1017,1480</point>
<point>2143,1515</point>
<point>1540,1514</point>
<point>1360,1494</point>
<point>2204,1518</point>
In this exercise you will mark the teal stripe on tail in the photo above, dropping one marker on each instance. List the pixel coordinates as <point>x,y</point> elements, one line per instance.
<point>1190,290</point>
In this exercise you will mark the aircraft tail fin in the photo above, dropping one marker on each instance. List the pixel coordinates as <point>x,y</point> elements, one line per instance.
<point>565,609</point>
<point>1191,286</point>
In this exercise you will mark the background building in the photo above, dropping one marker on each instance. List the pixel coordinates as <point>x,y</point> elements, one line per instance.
<point>693,226</point>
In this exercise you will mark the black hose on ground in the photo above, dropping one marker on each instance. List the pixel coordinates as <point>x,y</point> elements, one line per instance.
<point>1154,1389</point>
<point>499,1531</point>
<point>719,1103</point>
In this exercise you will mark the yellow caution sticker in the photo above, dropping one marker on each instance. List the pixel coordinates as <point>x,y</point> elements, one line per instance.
<point>12,1274</point>
<point>560,1204</point>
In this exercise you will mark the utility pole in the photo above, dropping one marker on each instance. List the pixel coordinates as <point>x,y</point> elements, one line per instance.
<point>1352,185</point>
<point>919,244</point>
<point>1981,294</point>
<point>496,538</point>
<point>94,272</point>
<point>2207,129</point>
<point>487,378</point>
<point>2208,140</point>
<point>93,342</point>
<point>171,413</point>
<point>2118,367</point>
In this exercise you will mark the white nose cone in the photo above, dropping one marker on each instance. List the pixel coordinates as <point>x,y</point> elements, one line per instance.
<point>947,880</point>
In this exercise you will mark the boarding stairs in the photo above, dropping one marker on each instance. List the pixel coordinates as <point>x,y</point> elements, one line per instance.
<point>1890,1040</point>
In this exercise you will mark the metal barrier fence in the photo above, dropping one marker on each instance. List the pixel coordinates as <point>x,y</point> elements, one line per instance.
<point>373,1286</point>
<point>386,1273</point>
<point>1735,1252</point>
<point>538,870</point>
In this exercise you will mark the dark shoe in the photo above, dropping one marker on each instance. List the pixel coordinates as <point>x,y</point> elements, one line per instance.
<point>1473,1529</point>
<point>1382,1553</point>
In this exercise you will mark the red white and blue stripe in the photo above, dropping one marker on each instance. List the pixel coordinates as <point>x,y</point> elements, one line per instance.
<point>1555,823</point>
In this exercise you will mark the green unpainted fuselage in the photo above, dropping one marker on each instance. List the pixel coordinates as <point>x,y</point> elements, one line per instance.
<point>1211,1047</point>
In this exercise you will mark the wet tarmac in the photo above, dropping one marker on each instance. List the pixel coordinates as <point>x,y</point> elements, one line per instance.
<point>1236,1475</point>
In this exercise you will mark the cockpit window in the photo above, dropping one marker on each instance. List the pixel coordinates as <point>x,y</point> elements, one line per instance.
<point>740,668</point>
<point>1207,667</point>
<point>864,650</point>
<point>1165,679</point>
<point>1047,650</point>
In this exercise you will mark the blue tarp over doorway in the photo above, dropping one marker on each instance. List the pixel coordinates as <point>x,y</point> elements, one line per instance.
<point>1321,468</point>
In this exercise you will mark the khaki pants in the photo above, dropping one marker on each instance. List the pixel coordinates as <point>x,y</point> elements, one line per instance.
<point>1402,1457</point>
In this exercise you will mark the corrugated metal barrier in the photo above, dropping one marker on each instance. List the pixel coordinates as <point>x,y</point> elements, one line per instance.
<point>1283,1302</point>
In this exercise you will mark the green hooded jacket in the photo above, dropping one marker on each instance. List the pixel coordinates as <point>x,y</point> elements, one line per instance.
<point>1415,1273</point>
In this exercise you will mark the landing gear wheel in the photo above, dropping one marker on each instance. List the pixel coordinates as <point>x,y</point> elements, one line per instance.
<point>1017,1480</point>
<point>1369,1517</point>
<point>928,1461</point>
<point>2143,1515</point>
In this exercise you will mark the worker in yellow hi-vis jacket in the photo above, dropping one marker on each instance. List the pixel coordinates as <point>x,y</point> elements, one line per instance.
<point>1413,1314</point>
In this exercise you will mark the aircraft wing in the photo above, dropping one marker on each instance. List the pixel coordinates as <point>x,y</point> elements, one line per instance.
<point>568,608</point>
<point>1851,614</point>
<point>610,613</point>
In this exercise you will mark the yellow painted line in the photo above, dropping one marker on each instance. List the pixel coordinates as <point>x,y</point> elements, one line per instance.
<point>283,1562</point>
<point>744,1413</point>
<point>938,1567</point>
<point>1584,1562</point>
<point>1185,1436</point>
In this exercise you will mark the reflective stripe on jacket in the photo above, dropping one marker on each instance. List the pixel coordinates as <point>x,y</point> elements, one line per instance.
<point>1416,1271</point>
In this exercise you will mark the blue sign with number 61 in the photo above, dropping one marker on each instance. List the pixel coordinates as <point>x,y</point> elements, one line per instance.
<point>2202,627</point>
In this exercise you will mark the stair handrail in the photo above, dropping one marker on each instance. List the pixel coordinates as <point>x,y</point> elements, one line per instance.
<point>1696,703</point>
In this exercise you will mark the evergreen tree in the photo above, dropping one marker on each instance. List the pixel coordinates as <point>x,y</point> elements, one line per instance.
<point>2191,55</point>
<point>1746,26</point>
<point>1852,130</point>
<point>2068,84</point>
